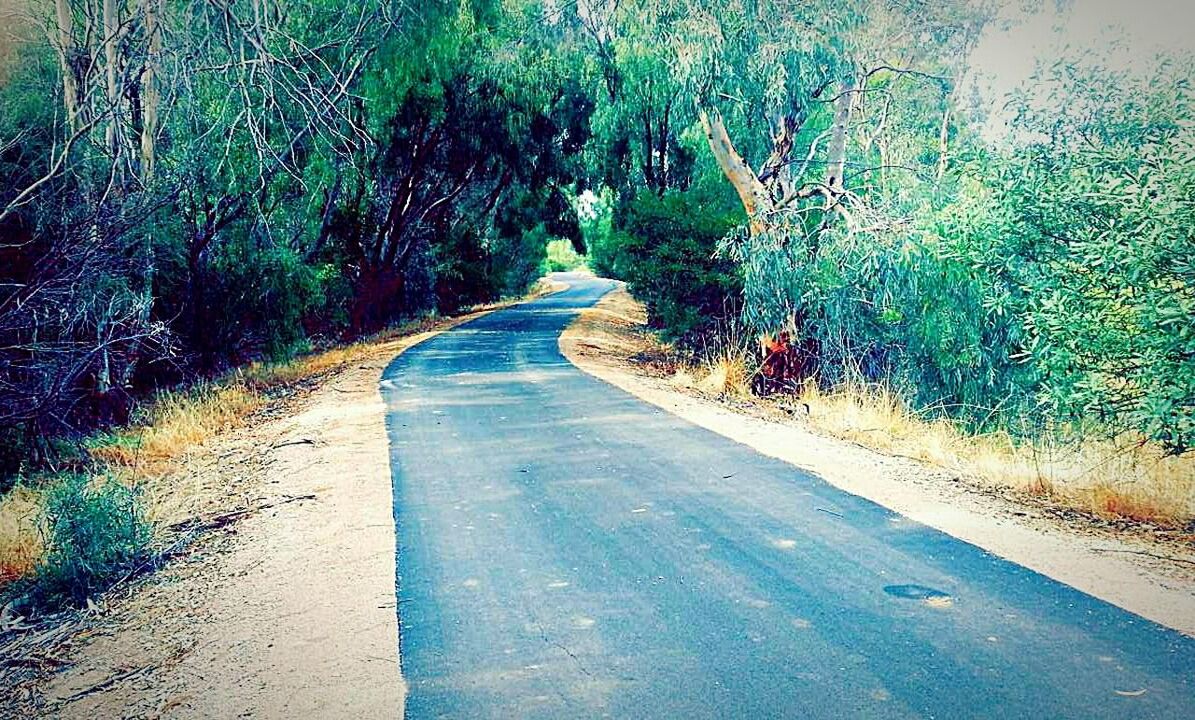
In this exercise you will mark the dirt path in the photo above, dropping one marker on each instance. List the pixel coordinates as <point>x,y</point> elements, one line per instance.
<point>609,342</point>
<point>290,612</point>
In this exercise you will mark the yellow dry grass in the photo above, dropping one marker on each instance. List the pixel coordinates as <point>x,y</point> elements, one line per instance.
<point>1121,478</point>
<point>20,535</point>
<point>151,452</point>
<point>174,422</point>
<point>728,374</point>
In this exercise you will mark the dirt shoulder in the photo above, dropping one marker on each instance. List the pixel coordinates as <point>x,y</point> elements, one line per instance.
<point>286,609</point>
<point>1153,579</point>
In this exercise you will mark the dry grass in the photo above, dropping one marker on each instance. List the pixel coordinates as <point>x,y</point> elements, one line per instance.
<point>20,533</point>
<point>1111,478</point>
<point>724,374</point>
<point>152,452</point>
<point>173,423</point>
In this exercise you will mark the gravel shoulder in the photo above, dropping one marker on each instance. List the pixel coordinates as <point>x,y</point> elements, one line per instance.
<point>287,613</point>
<point>285,610</point>
<point>1155,580</point>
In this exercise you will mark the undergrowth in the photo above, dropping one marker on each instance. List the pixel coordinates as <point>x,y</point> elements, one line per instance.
<point>66,536</point>
<point>1115,478</point>
<point>96,531</point>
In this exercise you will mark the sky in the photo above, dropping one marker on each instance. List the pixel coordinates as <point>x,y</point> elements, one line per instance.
<point>1126,34</point>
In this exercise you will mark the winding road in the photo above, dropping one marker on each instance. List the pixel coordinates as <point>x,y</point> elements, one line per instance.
<point>568,551</point>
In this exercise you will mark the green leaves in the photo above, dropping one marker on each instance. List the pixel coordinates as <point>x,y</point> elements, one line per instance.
<point>666,253</point>
<point>1094,215</point>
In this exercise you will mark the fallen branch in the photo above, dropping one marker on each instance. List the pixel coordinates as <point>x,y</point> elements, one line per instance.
<point>103,685</point>
<point>300,441</point>
<point>220,521</point>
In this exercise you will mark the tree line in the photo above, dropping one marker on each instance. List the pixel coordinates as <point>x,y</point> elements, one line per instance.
<point>191,185</point>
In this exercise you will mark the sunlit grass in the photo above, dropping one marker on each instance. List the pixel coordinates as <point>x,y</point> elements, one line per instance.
<point>174,422</point>
<point>21,534</point>
<point>151,453</point>
<point>1117,478</point>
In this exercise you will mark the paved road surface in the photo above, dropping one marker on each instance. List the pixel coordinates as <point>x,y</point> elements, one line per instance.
<point>567,551</point>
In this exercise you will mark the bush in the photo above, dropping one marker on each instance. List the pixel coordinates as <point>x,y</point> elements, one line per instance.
<point>1086,225</point>
<point>1051,294</point>
<point>903,309</point>
<point>665,249</point>
<point>463,274</point>
<point>95,532</point>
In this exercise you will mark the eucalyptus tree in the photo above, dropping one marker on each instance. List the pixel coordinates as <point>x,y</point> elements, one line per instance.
<point>817,113</point>
<point>478,116</point>
<point>643,108</point>
<point>75,299</point>
<point>797,99</point>
<point>160,165</point>
<point>267,123</point>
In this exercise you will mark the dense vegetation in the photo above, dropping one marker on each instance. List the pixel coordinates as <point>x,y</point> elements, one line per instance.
<point>187,186</point>
<point>1038,283</point>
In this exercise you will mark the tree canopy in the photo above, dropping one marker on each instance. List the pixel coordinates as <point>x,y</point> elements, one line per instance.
<point>191,185</point>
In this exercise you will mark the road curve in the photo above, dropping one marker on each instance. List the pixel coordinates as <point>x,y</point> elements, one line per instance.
<point>567,551</point>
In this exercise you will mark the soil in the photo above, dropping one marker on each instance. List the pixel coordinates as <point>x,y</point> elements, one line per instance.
<point>1136,568</point>
<point>288,610</point>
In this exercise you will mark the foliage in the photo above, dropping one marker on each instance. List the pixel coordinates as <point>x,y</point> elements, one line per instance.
<point>595,214</point>
<point>276,174</point>
<point>561,257</point>
<point>665,250</point>
<point>1088,226</point>
<point>1049,290</point>
<point>95,533</point>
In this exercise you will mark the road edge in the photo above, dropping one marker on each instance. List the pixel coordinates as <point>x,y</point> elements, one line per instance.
<point>1105,568</point>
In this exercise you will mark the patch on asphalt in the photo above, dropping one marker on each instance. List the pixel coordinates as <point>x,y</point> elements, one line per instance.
<point>929,596</point>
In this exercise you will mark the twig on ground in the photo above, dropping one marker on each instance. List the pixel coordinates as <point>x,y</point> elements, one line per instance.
<point>103,685</point>
<point>220,521</point>
<point>299,441</point>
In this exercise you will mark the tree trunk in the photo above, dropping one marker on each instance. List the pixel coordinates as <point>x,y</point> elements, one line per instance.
<point>754,196</point>
<point>844,105</point>
<point>111,20</point>
<point>66,58</point>
<point>151,96</point>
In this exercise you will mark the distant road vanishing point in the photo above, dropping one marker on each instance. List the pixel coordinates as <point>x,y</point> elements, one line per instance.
<point>568,551</point>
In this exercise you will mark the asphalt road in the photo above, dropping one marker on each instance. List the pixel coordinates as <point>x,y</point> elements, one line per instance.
<point>567,551</point>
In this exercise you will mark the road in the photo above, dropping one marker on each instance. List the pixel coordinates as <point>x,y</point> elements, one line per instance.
<point>567,551</point>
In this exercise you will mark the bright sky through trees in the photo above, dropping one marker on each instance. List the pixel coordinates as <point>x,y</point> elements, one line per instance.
<point>1115,33</point>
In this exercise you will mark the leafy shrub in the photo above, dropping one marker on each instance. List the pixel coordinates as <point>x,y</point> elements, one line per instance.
<point>911,309</point>
<point>95,532</point>
<point>246,298</point>
<point>665,249</point>
<point>1052,293</point>
<point>1094,221</point>
<point>463,274</point>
